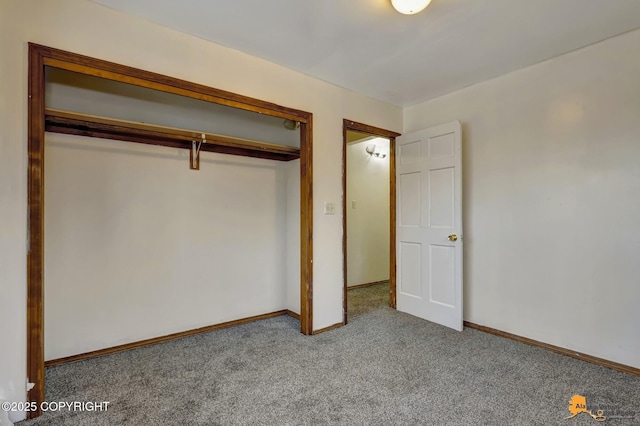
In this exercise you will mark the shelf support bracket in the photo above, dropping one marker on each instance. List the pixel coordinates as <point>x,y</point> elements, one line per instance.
<point>194,158</point>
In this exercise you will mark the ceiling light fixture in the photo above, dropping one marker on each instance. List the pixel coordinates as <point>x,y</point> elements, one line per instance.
<point>410,7</point>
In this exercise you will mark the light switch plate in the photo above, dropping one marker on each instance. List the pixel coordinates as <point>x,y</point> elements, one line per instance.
<point>329,207</point>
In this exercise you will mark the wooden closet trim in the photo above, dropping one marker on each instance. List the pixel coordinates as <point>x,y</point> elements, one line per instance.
<point>391,135</point>
<point>41,56</point>
<point>111,71</point>
<point>72,123</point>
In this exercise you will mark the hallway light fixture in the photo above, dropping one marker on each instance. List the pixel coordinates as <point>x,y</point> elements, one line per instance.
<point>410,7</point>
<point>371,150</point>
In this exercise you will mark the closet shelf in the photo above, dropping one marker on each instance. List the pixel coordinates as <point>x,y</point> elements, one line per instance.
<point>73,123</point>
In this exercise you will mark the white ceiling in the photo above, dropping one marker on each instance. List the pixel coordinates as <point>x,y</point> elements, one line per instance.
<point>365,46</point>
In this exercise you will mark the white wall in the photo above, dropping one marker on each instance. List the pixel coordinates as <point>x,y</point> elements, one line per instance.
<point>551,198</point>
<point>87,28</point>
<point>139,246</point>
<point>292,176</point>
<point>368,221</point>
<point>132,234</point>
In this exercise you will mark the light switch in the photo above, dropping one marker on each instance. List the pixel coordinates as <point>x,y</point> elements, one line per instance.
<point>353,204</point>
<point>329,207</point>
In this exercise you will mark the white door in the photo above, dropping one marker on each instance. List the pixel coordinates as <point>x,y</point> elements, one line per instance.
<point>429,224</point>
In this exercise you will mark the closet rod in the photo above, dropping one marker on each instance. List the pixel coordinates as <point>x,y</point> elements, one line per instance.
<point>68,122</point>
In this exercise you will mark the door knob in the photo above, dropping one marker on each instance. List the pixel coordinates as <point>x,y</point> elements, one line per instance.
<point>453,237</point>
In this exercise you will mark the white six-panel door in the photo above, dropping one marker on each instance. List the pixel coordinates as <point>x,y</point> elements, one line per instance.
<point>429,224</point>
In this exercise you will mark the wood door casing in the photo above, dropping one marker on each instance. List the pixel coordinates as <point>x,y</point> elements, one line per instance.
<point>348,125</point>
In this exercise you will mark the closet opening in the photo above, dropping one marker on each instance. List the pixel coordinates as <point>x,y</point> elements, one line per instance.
<point>73,97</point>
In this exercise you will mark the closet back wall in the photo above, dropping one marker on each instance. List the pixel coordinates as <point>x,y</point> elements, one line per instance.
<point>139,246</point>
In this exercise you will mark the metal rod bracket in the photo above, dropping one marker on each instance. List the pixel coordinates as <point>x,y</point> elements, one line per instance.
<point>194,157</point>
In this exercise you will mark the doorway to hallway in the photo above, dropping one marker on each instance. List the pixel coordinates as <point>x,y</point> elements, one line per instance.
<point>368,209</point>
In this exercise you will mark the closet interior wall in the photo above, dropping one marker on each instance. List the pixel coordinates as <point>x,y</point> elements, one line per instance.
<point>138,245</point>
